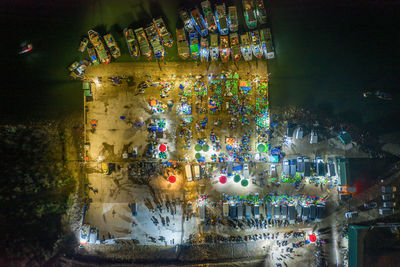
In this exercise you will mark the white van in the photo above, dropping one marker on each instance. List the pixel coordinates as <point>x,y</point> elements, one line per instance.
<point>196,172</point>
<point>188,172</point>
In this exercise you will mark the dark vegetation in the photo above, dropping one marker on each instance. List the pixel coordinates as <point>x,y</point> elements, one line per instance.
<point>34,192</point>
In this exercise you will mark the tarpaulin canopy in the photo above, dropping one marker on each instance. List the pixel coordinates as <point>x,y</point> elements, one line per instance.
<point>162,148</point>
<point>198,156</point>
<point>222,179</point>
<point>206,148</point>
<point>172,179</point>
<point>245,182</point>
<point>236,178</point>
<point>197,147</point>
<point>312,238</point>
<point>261,148</point>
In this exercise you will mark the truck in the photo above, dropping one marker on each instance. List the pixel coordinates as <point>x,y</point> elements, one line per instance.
<point>386,211</point>
<point>225,209</point>
<point>188,172</point>
<point>247,211</point>
<point>291,214</point>
<point>388,189</point>
<point>133,208</point>
<point>240,211</point>
<point>256,211</point>
<point>196,172</point>
<point>202,213</point>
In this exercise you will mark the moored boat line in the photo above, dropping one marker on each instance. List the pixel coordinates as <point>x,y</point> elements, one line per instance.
<point>255,40</point>
<point>143,43</point>
<point>222,21</point>
<point>235,47</point>
<point>261,12</point>
<point>246,47</point>
<point>112,45</point>
<point>204,52</point>
<point>163,33</point>
<point>199,22</point>
<point>182,43</point>
<point>155,41</point>
<point>209,16</point>
<point>133,46</point>
<point>224,48</point>
<point>233,19</point>
<point>214,48</point>
<point>249,14</point>
<point>103,54</point>
<point>194,45</point>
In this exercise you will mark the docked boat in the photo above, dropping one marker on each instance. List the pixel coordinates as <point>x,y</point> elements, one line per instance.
<point>194,45</point>
<point>92,55</point>
<point>266,37</point>
<point>235,47</point>
<point>143,43</point>
<point>261,12</point>
<point>155,41</point>
<point>255,41</point>
<point>222,21</point>
<point>209,16</point>
<point>187,20</point>
<point>199,22</point>
<point>224,49</point>
<point>182,43</point>
<point>103,54</point>
<point>163,33</point>
<point>112,45</point>
<point>132,43</point>
<point>233,19</point>
<point>249,14</point>
<point>214,48</point>
<point>204,52</point>
<point>246,46</point>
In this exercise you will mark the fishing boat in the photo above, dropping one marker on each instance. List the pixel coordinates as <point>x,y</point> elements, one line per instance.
<point>187,20</point>
<point>383,95</point>
<point>194,45</point>
<point>199,22</point>
<point>269,46</point>
<point>112,45</point>
<point>92,55</point>
<point>103,54</point>
<point>132,43</point>
<point>182,43</point>
<point>163,33</point>
<point>209,16</point>
<point>261,12</point>
<point>246,46</point>
<point>143,43</point>
<point>233,19</point>
<point>214,48</point>
<point>222,21</point>
<point>224,48</point>
<point>204,52</point>
<point>155,41</point>
<point>235,47</point>
<point>255,41</point>
<point>249,14</point>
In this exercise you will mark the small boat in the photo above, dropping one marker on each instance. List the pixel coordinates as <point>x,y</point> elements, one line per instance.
<point>235,47</point>
<point>112,45</point>
<point>132,43</point>
<point>249,14</point>
<point>143,43</point>
<point>255,41</point>
<point>187,20</point>
<point>214,48</point>
<point>83,44</point>
<point>163,33</point>
<point>182,43</point>
<point>155,41</point>
<point>25,48</point>
<point>204,52</point>
<point>266,38</point>
<point>92,55</point>
<point>261,12</point>
<point>103,54</point>
<point>233,19</point>
<point>246,46</point>
<point>222,21</point>
<point>383,95</point>
<point>199,22</point>
<point>224,48</point>
<point>194,45</point>
<point>209,16</point>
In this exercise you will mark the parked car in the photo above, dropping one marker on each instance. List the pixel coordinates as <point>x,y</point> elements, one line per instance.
<point>246,170</point>
<point>273,171</point>
<point>389,204</point>
<point>388,189</point>
<point>351,214</point>
<point>286,167</point>
<point>387,197</point>
<point>300,165</point>
<point>370,205</point>
<point>345,196</point>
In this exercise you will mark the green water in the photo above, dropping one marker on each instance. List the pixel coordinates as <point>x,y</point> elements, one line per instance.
<point>327,54</point>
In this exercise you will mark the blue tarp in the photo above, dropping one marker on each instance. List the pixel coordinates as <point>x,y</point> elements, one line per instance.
<point>237,168</point>
<point>273,159</point>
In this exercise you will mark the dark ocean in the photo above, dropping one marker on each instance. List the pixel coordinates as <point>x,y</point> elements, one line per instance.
<point>328,53</point>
